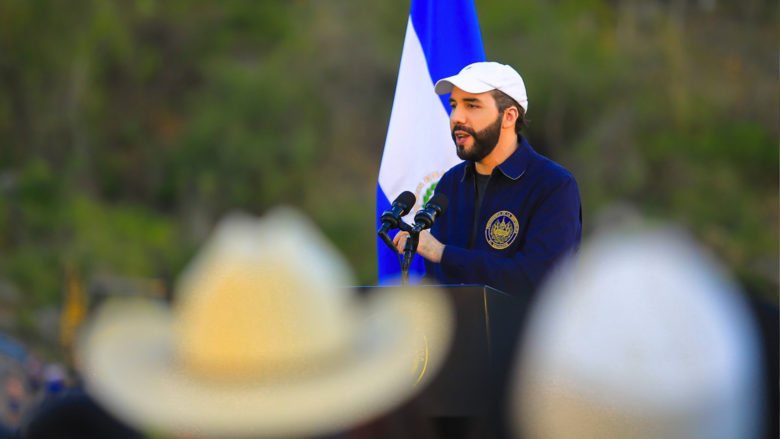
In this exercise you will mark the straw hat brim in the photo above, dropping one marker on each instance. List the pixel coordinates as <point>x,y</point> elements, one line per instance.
<point>129,365</point>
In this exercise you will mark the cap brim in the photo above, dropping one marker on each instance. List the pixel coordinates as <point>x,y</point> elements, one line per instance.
<point>129,365</point>
<point>469,85</point>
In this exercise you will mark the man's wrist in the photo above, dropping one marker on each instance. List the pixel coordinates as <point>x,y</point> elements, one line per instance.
<point>438,253</point>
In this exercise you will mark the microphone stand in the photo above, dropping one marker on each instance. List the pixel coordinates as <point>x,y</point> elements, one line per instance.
<point>410,248</point>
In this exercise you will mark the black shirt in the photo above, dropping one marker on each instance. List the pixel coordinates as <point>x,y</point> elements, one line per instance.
<point>480,184</point>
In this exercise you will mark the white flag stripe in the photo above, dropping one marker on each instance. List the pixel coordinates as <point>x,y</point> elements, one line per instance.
<point>418,141</point>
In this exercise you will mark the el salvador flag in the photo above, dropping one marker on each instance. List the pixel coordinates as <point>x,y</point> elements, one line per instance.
<point>442,37</point>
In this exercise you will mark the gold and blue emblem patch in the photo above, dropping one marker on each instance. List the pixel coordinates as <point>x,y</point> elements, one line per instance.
<point>501,230</point>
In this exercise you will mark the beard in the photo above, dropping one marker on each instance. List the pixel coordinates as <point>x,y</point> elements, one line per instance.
<point>485,141</point>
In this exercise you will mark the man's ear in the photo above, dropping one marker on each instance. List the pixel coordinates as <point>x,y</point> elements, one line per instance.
<point>510,117</point>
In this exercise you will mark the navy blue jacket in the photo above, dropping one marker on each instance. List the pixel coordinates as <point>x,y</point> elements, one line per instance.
<point>530,217</point>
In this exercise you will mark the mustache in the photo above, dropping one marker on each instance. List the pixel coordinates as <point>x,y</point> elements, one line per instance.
<point>471,131</point>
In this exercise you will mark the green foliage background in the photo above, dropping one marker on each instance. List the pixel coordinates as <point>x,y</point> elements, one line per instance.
<point>128,128</point>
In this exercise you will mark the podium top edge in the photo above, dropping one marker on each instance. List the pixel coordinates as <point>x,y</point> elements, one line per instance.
<point>486,287</point>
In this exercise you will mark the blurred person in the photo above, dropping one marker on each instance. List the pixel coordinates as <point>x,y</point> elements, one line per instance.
<point>72,414</point>
<point>512,212</point>
<point>34,370</point>
<point>55,379</point>
<point>263,340</point>
<point>16,396</point>
<point>642,337</point>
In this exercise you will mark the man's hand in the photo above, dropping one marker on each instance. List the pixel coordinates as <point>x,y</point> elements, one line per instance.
<point>428,247</point>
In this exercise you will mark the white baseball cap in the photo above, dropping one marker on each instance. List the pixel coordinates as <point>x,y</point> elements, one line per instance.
<point>481,77</point>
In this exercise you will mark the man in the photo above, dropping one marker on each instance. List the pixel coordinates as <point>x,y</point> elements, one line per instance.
<point>513,213</point>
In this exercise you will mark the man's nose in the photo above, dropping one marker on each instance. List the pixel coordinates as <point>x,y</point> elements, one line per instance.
<point>457,117</point>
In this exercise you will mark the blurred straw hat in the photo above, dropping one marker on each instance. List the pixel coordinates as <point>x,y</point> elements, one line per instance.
<point>642,337</point>
<point>264,340</point>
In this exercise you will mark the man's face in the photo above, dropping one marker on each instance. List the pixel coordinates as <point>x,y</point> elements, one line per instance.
<point>475,124</point>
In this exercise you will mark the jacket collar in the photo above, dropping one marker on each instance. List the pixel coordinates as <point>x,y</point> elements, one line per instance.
<point>513,167</point>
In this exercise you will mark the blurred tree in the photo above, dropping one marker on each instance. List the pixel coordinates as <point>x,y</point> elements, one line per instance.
<point>128,128</point>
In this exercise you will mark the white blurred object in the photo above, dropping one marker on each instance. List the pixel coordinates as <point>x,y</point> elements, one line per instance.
<point>642,337</point>
<point>288,279</point>
<point>264,340</point>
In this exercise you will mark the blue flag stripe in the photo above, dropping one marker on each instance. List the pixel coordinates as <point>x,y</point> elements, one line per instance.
<point>449,35</point>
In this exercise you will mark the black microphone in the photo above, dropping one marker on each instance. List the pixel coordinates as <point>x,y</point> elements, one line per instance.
<point>435,207</point>
<point>391,219</point>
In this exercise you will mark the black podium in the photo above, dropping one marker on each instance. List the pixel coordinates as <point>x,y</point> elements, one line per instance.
<point>473,381</point>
